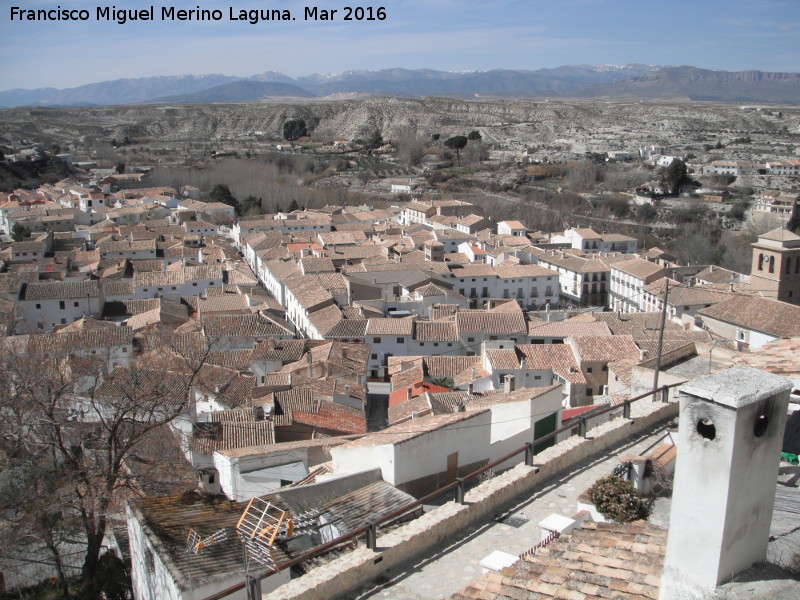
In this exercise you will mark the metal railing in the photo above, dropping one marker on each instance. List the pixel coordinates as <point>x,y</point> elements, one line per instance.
<point>370,527</point>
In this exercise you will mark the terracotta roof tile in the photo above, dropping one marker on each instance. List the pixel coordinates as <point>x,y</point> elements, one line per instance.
<point>768,316</point>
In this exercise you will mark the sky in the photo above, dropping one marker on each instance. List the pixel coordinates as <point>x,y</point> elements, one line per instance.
<point>451,35</point>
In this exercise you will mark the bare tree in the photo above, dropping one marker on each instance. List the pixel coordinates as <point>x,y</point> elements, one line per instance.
<point>68,427</point>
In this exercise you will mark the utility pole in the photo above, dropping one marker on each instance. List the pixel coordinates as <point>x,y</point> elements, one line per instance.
<point>660,337</point>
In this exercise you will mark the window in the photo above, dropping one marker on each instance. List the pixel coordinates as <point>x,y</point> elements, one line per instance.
<point>376,340</point>
<point>588,369</point>
<point>401,340</point>
<point>435,344</point>
<point>374,357</point>
<point>75,304</point>
<point>605,367</point>
<point>39,306</point>
<point>194,284</point>
<point>588,391</point>
<point>771,264</point>
<point>62,305</point>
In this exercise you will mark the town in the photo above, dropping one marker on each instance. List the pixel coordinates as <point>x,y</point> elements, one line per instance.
<point>301,382</point>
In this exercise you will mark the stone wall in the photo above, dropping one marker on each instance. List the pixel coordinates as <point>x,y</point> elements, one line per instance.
<point>431,529</point>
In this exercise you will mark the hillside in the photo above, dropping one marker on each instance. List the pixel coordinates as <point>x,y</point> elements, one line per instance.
<point>518,122</point>
<point>32,173</point>
<point>690,83</point>
<point>237,91</point>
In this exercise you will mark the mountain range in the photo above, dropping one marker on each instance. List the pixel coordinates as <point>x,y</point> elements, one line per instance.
<point>611,82</point>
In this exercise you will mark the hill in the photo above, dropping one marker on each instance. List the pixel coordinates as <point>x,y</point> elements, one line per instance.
<point>690,83</point>
<point>237,91</point>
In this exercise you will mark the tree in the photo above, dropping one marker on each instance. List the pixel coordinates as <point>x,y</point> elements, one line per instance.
<point>294,129</point>
<point>374,140</point>
<point>436,136</point>
<point>457,143</point>
<point>69,432</point>
<point>474,135</point>
<point>120,168</point>
<point>222,193</point>
<point>19,232</point>
<point>293,206</point>
<point>676,175</point>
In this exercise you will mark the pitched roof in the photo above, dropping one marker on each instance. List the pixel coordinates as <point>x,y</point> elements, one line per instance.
<point>639,268</point>
<point>499,323</point>
<point>436,331</point>
<point>605,348</point>
<point>390,326</point>
<point>599,560</point>
<point>408,430</point>
<point>61,290</point>
<point>772,317</point>
<point>559,358</point>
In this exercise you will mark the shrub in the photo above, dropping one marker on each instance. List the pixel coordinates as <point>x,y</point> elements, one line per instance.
<point>617,500</point>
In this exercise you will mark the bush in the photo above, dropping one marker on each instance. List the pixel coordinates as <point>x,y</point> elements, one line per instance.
<point>617,500</point>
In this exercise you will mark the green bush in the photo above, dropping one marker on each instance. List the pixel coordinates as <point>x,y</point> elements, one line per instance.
<point>616,499</point>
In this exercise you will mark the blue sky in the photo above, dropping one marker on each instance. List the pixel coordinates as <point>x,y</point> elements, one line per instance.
<point>437,34</point>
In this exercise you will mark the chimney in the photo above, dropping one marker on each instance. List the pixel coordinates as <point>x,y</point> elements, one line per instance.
<point>508,385</point>
<point>730,436</point>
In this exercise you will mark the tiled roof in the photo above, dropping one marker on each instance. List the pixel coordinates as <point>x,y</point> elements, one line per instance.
<point>448,366</point>
<point>317,265</point>
<point>504,360</point>
<point>639,268</point>
<point>772,317</point>
<point>436,331</point>
<point>61,290</point>
<point>348,328</point>
<point>599,560</point>
<point>564,329</point>
<point>605,348</point>
<point>248,325</point>
<point>440,311</point>
<point>308,291</point>
<point>408,430</point>
<point>325,318</point>
<point>491,322</point>
<point>408,377</point>
<point>166,521</point>
<point>559,358</point>
<point>405,410</point>
<point>389,326</point>
<point>333,417</point>
<point>229,434</point>
<point>224,303</point>
<point>471,374</point>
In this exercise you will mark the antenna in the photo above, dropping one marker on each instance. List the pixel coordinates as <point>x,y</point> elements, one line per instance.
<point>259,527</point>
<point>196,543</point>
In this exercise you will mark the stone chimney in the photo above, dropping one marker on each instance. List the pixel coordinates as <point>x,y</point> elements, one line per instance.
<point>730,435</point>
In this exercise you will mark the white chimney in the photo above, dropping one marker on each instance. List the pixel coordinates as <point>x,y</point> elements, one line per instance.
<point>508,386</point>
<point>730,436</point>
